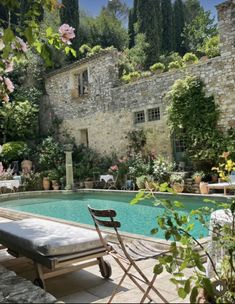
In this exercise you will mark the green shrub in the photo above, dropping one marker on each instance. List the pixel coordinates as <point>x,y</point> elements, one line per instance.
<point>174,65</point>
<point>51,154</point>
<point>14,150</point>
<point>146,74</point>
<point>157,67</point>
<point>141,181</point>
<point>131,77</point>
<point>211,47</point>
<point>84,49</point>
<point>190,58</point>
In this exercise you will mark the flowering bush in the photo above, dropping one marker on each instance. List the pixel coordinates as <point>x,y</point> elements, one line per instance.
<point>5,174</point>
<point>225,169</point>
<point>138,165</point>
<point>162,169</point>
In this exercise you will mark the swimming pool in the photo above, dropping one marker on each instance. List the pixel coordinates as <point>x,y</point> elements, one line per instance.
<point>138,219</point>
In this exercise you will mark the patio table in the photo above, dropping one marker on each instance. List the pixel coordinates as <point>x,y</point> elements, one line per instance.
<point>10,184</point>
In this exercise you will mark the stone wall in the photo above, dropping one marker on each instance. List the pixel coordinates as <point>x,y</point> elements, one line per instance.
<point>107,113</point>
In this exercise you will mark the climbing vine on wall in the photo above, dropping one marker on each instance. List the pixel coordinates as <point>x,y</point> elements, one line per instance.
<point>194,116</point>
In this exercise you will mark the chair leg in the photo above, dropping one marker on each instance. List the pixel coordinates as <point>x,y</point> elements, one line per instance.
<point>126,273</point>
<point>148,289</point>
<point>150,282</point>
<point>119,284</point>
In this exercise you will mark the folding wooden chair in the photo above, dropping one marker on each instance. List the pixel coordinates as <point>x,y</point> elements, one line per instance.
<point>127,254</point>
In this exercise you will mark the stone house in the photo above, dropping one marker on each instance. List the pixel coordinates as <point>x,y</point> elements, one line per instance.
<point>97,110</point>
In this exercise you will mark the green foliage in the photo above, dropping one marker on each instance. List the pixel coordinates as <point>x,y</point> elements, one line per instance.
<point>32,181</point>
<point>194,116</point>
<point>149,23</point>
<point>88,163</point>
<point>53,175</point>
<point>139,165</point>
<point>162,169</point>
<point>104,30</point>
<point>192,9</point>
<point>197,32</point>
<point>157,67</point>
<point>178,24</point>
<point>167,26</point>
<point>18,120</point>
<point>14,150</point>
<point>176,178</point>
<point>134,58</point>
<point>118,8</point>
<point>198,173</point>
<point>50,154</point>
<point>171,57</point>
<point>178,229</point>
<point>69,14</point>
<point>190,58</point>
<point>142,180</point>
<point>133,76</point>
<point>211,47</point>
<point>174,65</point>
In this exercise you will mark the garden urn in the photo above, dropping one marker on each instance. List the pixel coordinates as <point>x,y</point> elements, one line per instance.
<point>46,183</point>
<point>26,166</point>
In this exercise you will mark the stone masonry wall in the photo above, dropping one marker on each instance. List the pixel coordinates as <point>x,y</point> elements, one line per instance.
<point>107,113</point>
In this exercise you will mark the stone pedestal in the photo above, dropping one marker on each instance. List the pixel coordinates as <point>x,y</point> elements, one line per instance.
<point>69,170</point>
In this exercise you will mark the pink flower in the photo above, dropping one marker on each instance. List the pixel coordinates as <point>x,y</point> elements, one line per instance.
<point>9,66</point>
<point>114,168</point>
<point>9,84</point>
<point>67,33</point>
<point>5,98</point>
<point>22,44</point>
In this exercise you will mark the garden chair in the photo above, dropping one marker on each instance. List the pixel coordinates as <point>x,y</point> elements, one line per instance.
<point>127,254</point>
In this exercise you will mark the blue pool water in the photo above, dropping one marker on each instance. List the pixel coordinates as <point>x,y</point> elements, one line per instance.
<point>138,219</point>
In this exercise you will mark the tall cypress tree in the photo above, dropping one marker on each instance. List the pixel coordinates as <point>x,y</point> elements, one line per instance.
<point>131,24</point>
<point>69,13</point>
<point>167,26</point>
<point>178,25</point>
<point>149,23</point>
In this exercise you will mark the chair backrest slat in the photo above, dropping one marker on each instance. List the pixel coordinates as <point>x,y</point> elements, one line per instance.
<point>110,224</point>
<point>103,213</point>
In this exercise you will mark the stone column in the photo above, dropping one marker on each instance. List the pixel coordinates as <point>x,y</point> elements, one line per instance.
<point>68,149</point>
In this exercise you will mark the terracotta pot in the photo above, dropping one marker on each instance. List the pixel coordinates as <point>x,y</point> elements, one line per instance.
<point>89,184</point>
<point>178,187</point>
<point>26,166</point>
<point>198,179</point>
<point>46,183</point>
<point>55,185</point>
<point>203,188</point>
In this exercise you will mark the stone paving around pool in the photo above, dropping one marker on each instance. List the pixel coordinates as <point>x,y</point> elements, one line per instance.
<point>88,286</point>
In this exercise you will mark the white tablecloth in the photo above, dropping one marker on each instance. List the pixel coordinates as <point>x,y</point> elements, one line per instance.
<point>216,250</point>
<point>10,184</point>
<point>106,178</point>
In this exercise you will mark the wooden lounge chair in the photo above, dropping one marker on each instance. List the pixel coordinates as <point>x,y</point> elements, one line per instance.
<point>224,185</point>
<point>61,248</point>
<point>127,254</point>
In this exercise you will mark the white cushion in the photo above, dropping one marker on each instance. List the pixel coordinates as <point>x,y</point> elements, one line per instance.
<point>47,237</point>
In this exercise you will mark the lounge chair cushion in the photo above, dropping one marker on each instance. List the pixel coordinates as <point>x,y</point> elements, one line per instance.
<point>47,237</point>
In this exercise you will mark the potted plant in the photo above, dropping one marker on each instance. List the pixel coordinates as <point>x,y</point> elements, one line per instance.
<point>53,176</point>
<point>89,183</point>
<point>197,176</point>
<point>177,183</point>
